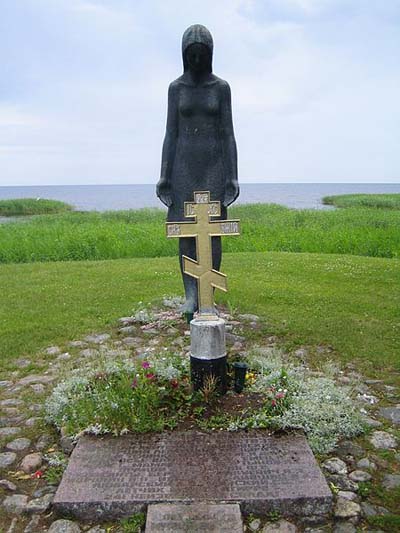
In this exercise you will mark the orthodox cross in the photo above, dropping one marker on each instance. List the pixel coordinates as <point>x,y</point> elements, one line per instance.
<point>203,229</point>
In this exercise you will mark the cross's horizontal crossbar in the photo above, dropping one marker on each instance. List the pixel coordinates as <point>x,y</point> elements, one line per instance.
<point>182,229</point>
<point>224,227</point>
<point>215,228</point>
<point>214,209</point>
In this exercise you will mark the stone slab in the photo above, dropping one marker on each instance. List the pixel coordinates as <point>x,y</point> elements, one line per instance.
<point>194,518</point>
<point>111,477</point>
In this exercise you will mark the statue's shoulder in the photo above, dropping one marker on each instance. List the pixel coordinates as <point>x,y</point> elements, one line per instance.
<point>220,81</point>
<point>175,85</point>
<point>221,84</point>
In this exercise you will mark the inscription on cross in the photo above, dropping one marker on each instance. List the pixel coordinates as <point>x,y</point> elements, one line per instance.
<point>203,229</point>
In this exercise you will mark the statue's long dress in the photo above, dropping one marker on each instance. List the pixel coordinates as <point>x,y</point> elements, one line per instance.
<point>199,160</point>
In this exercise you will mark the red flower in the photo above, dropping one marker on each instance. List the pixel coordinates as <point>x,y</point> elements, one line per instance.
<point>273,403</point>
<point>134,384</point>
<point>145,364</point>
<point>150,375</point>
<point>174,383</point>
<point>37,475</point>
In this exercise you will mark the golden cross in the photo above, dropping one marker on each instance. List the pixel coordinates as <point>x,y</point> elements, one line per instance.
<point>202,229</point>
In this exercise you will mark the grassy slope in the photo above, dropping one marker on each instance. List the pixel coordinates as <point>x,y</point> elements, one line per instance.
<point>347,302</point>
<point>31,206</point>
<point>94,236</point>
<point>381,201</point>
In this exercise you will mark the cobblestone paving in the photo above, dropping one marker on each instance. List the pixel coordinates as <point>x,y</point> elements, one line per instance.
<point>29,448</point>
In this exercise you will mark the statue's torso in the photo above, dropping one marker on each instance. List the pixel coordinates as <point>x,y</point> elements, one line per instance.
<point>199,110</point>
<point>198,162</point>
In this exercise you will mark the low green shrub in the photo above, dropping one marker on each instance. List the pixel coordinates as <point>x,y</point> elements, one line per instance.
<point>324,411</point>
<point>54,474</point>
<point>32,206</point>
<point>56,465</point>
<point>389,522</point>
<point>377,201</point>
<point>294,399</point>
<point>133,524</point>
<point>120,396</point>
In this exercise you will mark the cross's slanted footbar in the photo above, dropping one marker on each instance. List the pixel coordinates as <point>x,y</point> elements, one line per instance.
<point>202,228</point>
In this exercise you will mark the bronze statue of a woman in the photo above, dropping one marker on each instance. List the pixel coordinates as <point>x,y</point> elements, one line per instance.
<point>199,150</point>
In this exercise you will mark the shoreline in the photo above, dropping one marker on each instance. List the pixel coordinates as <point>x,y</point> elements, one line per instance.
<point>122,197</point>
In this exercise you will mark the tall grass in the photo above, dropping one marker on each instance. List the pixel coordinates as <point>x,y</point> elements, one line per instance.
<point>382,201</point>
<point>265,227</point>
<point>31,206</point>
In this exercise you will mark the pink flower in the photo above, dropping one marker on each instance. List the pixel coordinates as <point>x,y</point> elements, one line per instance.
<point>150,375</point>
<point>280,395</point>
<point>273,403</point>
<point>145,364</point>
<point>134,384</point>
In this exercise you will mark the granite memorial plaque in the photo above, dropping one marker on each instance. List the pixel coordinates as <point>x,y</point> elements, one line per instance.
<point>113,477</point>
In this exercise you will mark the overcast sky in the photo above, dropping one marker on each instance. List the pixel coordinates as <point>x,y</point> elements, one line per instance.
<point>315,87</point>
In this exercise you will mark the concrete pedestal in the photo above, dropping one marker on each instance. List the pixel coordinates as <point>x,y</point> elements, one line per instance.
<point>208,352</point>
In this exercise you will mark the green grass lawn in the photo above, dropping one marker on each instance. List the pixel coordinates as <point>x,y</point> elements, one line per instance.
<point>349,303</point>
<point>380,201</point>
<point>112,235</point>
<point>31,206</point>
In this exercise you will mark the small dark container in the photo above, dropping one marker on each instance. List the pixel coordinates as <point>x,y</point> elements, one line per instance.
<point>240,369</point>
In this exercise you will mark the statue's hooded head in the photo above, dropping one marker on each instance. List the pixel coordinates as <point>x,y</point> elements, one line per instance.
<point>197,34</point>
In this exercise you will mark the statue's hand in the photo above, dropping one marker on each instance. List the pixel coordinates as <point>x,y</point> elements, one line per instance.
<point>231,193</point>
<point>163,191</point>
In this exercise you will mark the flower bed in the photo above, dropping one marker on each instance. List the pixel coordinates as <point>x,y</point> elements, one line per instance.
<point>127,395</point>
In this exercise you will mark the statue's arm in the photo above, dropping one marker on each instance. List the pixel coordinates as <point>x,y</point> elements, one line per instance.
<point>169,147</point>
<point>229,148</point>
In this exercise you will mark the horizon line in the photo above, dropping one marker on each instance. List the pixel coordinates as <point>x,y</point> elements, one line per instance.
<point>240,183</point>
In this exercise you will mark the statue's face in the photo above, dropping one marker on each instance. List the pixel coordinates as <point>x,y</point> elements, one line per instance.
<point>197,57</point>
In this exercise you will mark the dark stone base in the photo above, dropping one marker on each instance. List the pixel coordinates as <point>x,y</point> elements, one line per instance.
<point>109,478</point>
<point>202,368</point>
